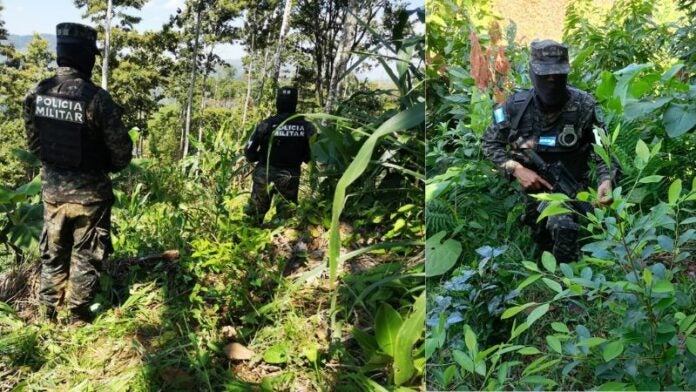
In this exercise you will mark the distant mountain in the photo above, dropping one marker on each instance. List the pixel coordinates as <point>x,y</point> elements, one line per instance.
<point>21,42</point>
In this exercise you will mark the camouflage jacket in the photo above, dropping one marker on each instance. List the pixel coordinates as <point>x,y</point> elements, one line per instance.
<point>80,186</point>
<point>579,113</point>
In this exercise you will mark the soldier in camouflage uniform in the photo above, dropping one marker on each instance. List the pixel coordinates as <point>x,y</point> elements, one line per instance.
<point>557,121</point>
<point>75,129</point>
<point>280,152</point>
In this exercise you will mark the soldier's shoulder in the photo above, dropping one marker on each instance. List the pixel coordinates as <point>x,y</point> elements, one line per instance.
<point>583,97</point>
<point>104,101</point>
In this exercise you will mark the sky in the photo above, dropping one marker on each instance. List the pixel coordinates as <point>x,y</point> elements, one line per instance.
<point>24,17</point>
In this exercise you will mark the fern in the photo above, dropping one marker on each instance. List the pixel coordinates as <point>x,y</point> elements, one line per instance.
<point>439,216</point>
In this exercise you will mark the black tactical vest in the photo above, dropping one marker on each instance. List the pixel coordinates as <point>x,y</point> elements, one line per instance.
<point>288,144</point>
<point>60,118</point>
<point>563,140</point>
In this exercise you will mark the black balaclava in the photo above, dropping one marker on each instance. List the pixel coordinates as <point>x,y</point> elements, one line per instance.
<point>286,100</point>
<point>550,95</point>
<point>75,56</point>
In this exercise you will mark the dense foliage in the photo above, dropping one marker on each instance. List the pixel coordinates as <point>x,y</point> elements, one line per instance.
<point>621,317</point>
<point>333,297</point>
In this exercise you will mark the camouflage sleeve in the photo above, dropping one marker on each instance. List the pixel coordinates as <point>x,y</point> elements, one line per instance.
<point>594,119</point>
<point>495,144</point>
<point>108,118</point>
<point>32,136</point>
<point>251,151</point>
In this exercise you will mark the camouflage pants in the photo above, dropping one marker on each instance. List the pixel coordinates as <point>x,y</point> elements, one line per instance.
<point>74,243</point>
<point>557,234</point>
<point>285,182</point>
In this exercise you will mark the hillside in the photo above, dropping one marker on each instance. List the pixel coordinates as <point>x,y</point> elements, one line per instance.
<point>536,18</point>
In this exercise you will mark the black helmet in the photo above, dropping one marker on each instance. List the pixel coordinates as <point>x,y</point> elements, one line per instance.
<point>75,33</point>
<point>286,100</point>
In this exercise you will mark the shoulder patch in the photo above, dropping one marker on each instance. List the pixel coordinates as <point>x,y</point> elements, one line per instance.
<point>499,115</point>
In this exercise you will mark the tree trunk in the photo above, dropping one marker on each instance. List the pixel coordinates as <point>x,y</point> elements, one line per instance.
<point>205,80</point>
<point>192,85</point>
<point>342,55</point>
<point>250,69</point>
<point>107,43</point>
<point>263,78</point>
<point>275,71</point>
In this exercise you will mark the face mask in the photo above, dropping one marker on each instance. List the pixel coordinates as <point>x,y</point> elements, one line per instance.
<point>75,56</point>
<point>551,94</point>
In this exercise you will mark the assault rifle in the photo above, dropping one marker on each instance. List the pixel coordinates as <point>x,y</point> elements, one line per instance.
<point>560,178</point>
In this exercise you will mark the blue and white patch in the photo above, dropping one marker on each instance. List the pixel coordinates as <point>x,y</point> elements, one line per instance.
<point>499,115</point>
<point>547,141</point>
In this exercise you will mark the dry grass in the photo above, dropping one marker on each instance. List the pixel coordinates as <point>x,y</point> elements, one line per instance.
<point>537,18</point>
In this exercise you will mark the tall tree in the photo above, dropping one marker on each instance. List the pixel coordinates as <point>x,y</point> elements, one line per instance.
<point>324,25</point>
<point>102,14</point>
<point>275,70</point>
<point>201,25</point>
<point>343,53</point>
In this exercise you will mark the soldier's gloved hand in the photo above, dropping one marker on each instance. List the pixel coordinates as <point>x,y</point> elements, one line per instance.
<point>604,193</point>
<point>530,180</point>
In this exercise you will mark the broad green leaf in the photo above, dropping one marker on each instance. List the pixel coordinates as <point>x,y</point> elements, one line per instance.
<point>647,276</point>
<point>537,313</point>
<point>616,133</point>
<point>540,364</point>
<point>464,360</point>
<point>530,266</point>
<point>613,386</point>
<point>554,344</point>
<point>634,109</point>
<point>560,327</point>
<point>686,322</point>
<point>529,351</point>
<point>612,350</point>
<point>441,256</point>
<point>387,324</point>
<point>470,340</point>
<point>409,334</point>
<point>518,330</point>
<point>276,354</point>
<point>538,380</point>
<point>567,270</point>
<point>548,261</point>
<point>663,286</point>
<point>591,342</point>
<point>679,119</point>
<point>674,191</point>
<point>553,285</point>
<point>530,279</point>
<point>551,197</point>
<point>691,344</point>
<point>642,151</point>
<point>552,210</point>
<point>516,309</point>
<point>31,188</point>
<point>651,179</point>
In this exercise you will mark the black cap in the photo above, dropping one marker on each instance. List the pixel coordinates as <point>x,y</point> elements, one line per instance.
<point>549,57</point>
<point>75,33</point>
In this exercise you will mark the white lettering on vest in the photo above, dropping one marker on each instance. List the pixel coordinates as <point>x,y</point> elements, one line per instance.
<point>290,130</point>
<point>60,109</point>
